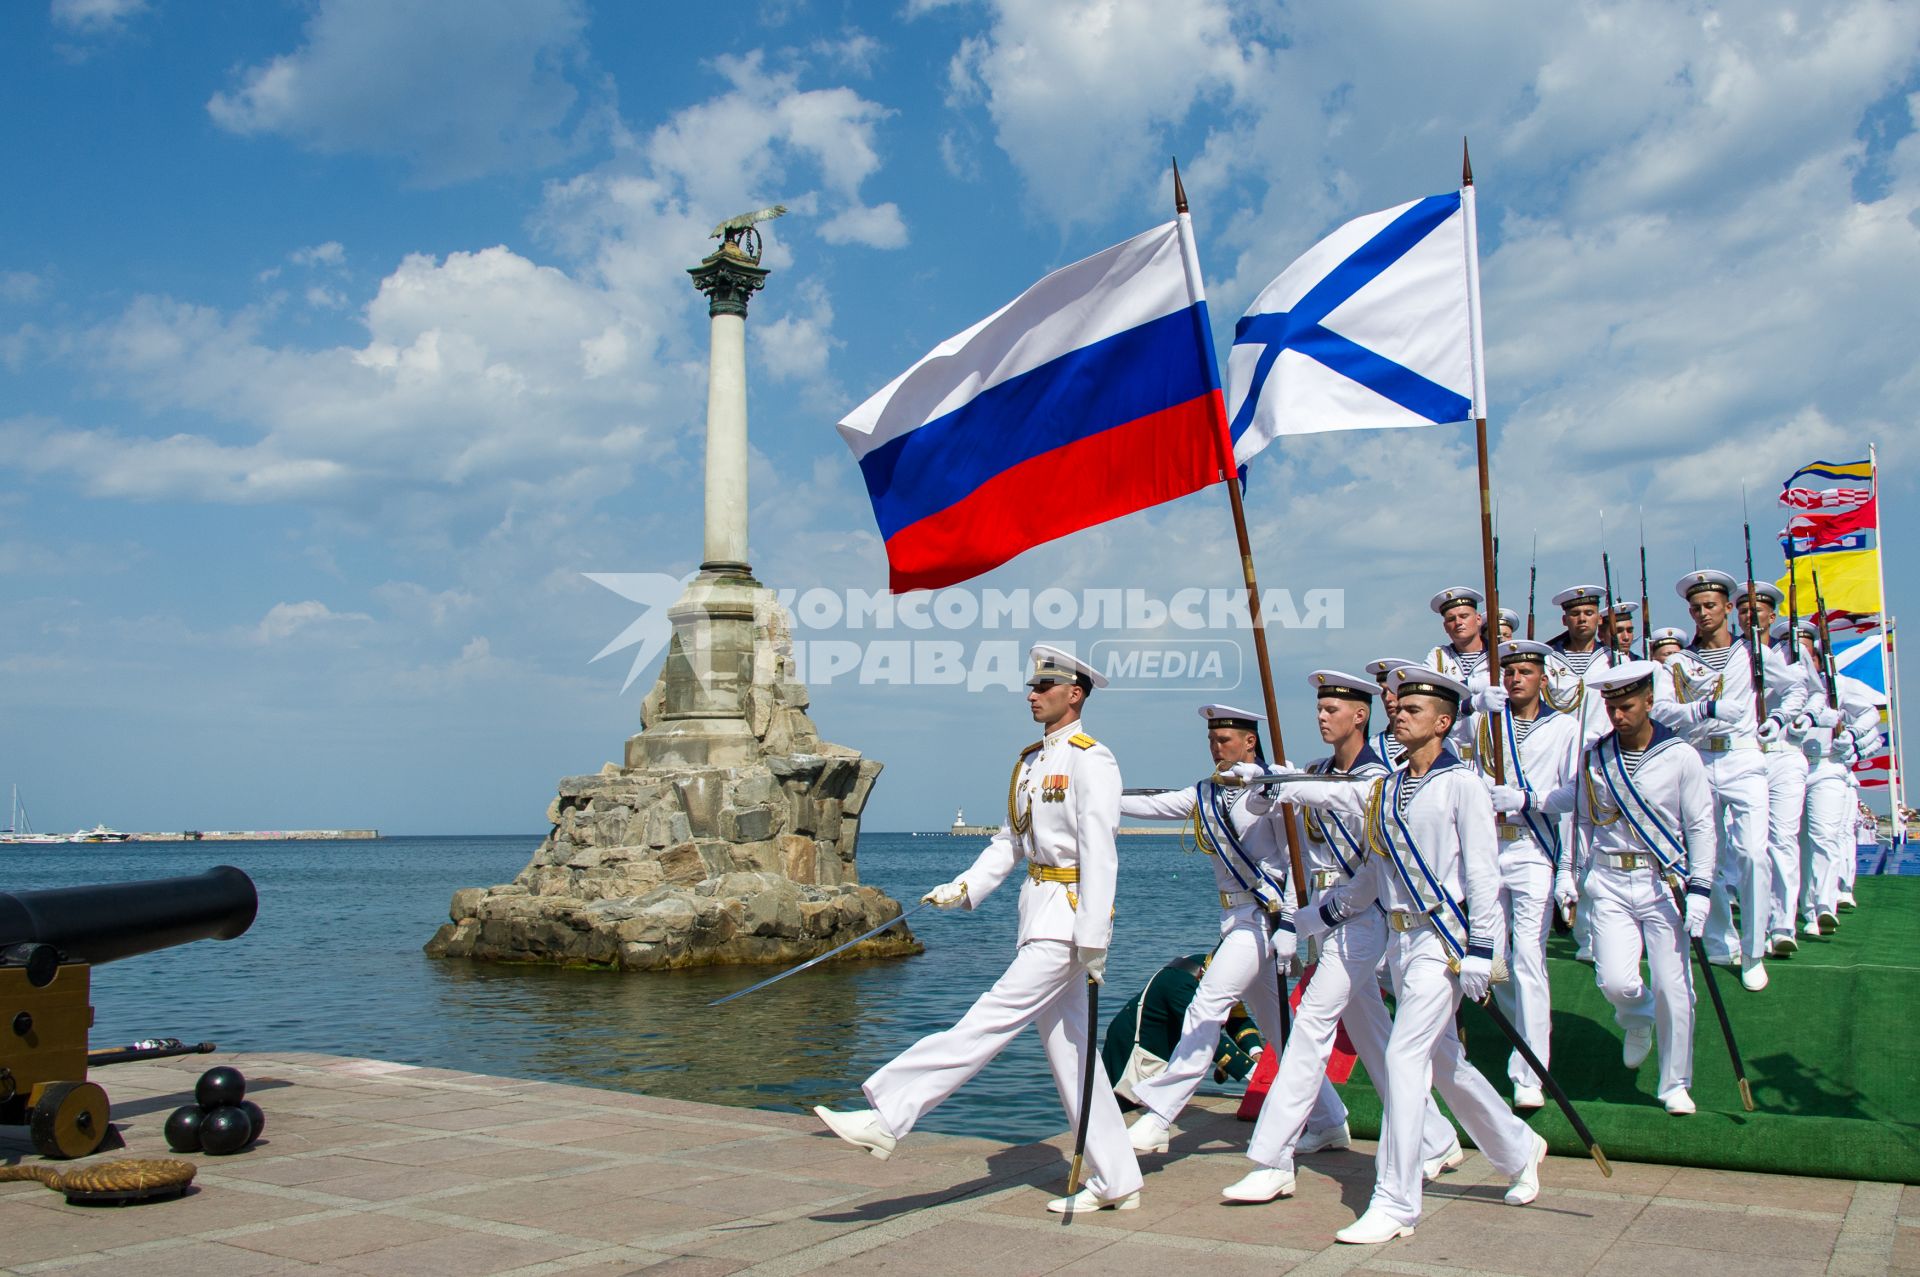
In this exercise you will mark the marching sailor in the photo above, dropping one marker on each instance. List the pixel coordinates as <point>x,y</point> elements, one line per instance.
<point>1786,762</point>
<point>1463,656</point>
<point>1834,737</point>
<point>1063,807</point>
<point>1620,632</point>
<point>1250,873</point>
<point>1430,824</point>
<point>1666,641</point>
<point>1509,623</point>
<point>1382,742</point>
<point>1540,751</point>
<point>1644,806</point>
<point>1578,650</point>
<point>1345,988</point>
<point>1710,702</point>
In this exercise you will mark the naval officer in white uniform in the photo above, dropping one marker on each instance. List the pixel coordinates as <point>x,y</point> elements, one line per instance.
<point>1063,808</point>
<point>1249,859</point>
<point>1430,827</point>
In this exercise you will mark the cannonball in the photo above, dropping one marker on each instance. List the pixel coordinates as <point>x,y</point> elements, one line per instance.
<point>220,1086</point>
<point>225,1129</point>
<point>183,1128</point>
<point>257,1116</point>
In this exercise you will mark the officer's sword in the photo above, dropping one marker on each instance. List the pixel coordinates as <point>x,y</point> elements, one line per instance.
<point>1713,992</point>
<point>814,962</point>
<point>1505,1025</point>
<point>1086,1089</point>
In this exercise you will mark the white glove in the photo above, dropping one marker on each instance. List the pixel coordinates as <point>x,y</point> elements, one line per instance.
<point>1094,960</point>
<point>1490,700</point>
<point>1802,724</point>
<point>1696,915</point>
<point>1564,892</point>
<point>1286,946</point>
<point>1509,800</point>
<point>1475,975</point>
<point>1846,750</point>
<point>946,895</point>
<point>1244,771</point>
<point>1771,730</point>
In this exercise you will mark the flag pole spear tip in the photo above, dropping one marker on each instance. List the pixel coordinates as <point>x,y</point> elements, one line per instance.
<point>1466,163</point>
<point>1179,189</point>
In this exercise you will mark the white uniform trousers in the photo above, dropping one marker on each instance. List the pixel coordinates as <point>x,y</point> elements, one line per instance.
<point>1632,908</point>
<point>1849,846</point>
<point>1582,927</point>
<point>1345,989</point>
<point>1241,970</point>
<point>1739,780</point>
<point>1829,828</point>
<point>1043,988</point>
<point>1786,804</point>
<point>1526,896</point>
<point>1423,1051</point>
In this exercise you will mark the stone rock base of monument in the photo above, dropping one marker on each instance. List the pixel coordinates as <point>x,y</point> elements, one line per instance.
<point>723,841</point>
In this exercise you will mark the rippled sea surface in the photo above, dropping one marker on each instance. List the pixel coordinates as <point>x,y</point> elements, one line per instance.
<point>334,964</point>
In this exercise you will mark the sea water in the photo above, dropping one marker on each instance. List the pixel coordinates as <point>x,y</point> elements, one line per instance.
<point>334,964</point>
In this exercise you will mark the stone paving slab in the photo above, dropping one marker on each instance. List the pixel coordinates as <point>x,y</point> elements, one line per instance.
<point>369,1167</point>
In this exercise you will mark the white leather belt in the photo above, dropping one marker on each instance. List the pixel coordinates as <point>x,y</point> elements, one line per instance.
<point>1402,920</point>
<point>1235,899</point>
<point>1727,744</point>
<point>1627,860</point>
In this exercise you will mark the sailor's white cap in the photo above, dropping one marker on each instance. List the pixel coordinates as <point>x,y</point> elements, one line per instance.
<point>1668,634</point>
<point>1525,650</point>
<point>1704,579</point>
<point>1781,626</point>
<point>1765,589</point>
<point>1228,716</point>
<point>1455,595</point>
<point>1051,665</point>
<point>1579,594</point>
<point>1622,607</point>
<point>1415,681</point>
<point>1348,687</point>
<point>1511,617</point>
<point>1621,679</point>
<point>1387,664</point>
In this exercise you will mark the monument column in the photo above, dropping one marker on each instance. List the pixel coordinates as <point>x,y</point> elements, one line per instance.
<point>728,278</point>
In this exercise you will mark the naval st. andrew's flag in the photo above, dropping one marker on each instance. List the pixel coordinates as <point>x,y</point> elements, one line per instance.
<point>1091,395</point>
<point>1377,325</point>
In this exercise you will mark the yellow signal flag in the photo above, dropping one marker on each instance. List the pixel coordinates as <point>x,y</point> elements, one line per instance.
<point>1849,581</point>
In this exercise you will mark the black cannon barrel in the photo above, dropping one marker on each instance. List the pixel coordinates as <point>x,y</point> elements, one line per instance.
<point>114,920</point>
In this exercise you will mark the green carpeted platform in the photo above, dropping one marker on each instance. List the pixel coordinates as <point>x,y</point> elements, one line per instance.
<point>1831,1050</point>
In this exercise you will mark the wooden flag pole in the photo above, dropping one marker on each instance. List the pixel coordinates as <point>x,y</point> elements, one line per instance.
<point>1254,613</point>
<point>1490,633</point>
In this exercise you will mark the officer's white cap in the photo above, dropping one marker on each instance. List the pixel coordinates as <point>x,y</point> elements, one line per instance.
<point>1455,595</point>
<point>1345,686</point>
<point>1414,681</point>
<point>1704,579</point>
<point>1051,665</point>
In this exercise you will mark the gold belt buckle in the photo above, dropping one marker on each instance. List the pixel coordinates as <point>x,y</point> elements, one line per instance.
<point>1511,833</point>
<point>1719,744</point>
<point>1325,878</point>
<point>1628,860</point>
<point>1401,920</point>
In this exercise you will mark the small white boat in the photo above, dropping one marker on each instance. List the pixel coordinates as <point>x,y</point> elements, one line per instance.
<point>19,830</point>
<point>99,833</point>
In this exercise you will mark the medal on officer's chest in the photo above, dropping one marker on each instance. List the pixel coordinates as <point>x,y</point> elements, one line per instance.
<point>1053,789</point>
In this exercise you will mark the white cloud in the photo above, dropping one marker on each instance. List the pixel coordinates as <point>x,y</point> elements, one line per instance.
<point>456,91</point>
<point>95,17</point>
<point>20,286</point>
<point>284,620</point>
<point>795,346</point>
<point>330,254</point>
<point>878,227</point>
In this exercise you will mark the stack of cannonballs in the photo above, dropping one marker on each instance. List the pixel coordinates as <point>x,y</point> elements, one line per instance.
<point>221,1119</point>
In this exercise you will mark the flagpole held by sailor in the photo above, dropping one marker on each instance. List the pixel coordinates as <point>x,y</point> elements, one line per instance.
<point>1063,808</point>
<point>1249,865</point>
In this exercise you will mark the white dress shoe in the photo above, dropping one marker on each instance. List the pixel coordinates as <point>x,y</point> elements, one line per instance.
<point>1753,975</point>
<point>1846,900</point>
<point>1678,1102</point>
<point>1434,1167</point>
<point>1148,1134</point>
<point>1526,1185</point>
<point>1528,1097</point>
<point>1261,1184</point>
<point>1372,1228</point>
<point>1826,922</point>
<point>860,1128</point>
<point>1325,1138</point>
<point>1088,1200</point>
<point>1781,945</point>
<point>1638,1046</point>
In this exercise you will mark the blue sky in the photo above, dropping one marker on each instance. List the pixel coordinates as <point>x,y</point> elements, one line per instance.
<point>340,339</point>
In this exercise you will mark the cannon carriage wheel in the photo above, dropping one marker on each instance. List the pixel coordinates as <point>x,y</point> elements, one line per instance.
<point>69,1119</point>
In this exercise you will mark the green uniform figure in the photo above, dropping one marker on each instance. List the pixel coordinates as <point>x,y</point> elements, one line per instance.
<point>1151,1021</point>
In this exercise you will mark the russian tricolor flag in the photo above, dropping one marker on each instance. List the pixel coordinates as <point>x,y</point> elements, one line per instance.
<point>1093,394</point>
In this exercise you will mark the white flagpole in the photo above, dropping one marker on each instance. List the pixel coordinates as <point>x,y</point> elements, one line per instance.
<point>1888,657</point>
